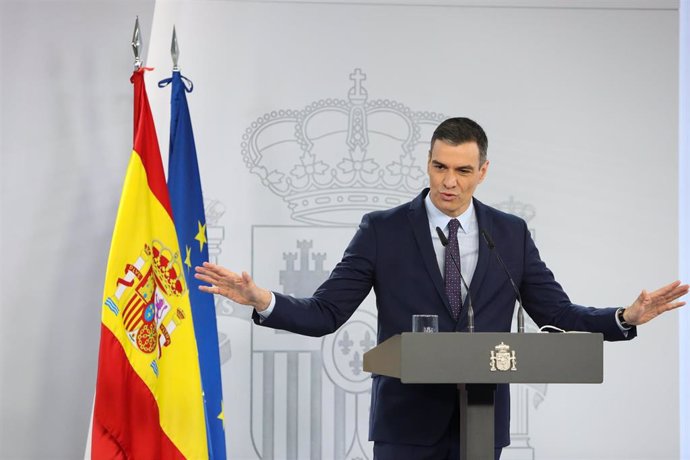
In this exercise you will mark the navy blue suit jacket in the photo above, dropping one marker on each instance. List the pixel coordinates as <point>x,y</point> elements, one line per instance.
<point>393,253</point>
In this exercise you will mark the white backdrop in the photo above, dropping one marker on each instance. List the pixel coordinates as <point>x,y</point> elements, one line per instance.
<point>66,138</point>
<point>580,105</point>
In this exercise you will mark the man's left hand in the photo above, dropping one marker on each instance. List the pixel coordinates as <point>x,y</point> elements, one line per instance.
<point>649,305</point>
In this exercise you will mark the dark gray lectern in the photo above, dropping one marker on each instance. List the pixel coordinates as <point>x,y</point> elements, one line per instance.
<point>477,362</point>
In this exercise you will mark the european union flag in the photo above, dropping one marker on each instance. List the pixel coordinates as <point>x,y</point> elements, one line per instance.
<point>184,186</point>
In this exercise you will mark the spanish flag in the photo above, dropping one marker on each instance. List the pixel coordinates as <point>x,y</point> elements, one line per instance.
<point>149,402</point>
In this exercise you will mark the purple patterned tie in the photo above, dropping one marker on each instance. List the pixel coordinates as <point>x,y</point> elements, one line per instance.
<point>452,275</point>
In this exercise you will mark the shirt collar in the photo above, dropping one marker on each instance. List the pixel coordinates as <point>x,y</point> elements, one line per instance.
<point>438,219</point>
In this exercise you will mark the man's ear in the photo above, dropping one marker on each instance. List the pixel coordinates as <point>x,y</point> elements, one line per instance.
<point>483,170</point>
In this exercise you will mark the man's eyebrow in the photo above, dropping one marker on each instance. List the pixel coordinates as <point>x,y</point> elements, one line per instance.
<point>457,168</point>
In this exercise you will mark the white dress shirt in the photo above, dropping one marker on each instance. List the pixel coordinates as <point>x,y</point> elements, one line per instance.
<point>468,239</point>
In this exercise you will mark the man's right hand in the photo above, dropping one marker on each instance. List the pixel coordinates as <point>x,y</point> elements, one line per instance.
<point>238,288</point>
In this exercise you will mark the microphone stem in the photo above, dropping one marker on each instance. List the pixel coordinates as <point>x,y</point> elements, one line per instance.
<point>521,311</point>
<point>470,308</point>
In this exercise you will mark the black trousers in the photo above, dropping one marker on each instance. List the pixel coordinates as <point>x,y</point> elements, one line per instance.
<point>447,448</point>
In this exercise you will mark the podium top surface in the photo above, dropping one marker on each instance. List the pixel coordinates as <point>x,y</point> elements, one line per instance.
<point>489,357</point>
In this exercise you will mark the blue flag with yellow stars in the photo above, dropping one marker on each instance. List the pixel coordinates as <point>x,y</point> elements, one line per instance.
<point>184,186</point>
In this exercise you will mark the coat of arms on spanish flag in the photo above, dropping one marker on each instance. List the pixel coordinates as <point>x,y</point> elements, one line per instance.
<point>149,401</point>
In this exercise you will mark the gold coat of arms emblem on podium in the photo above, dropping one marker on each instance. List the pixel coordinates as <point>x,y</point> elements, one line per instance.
<point>503,359</point>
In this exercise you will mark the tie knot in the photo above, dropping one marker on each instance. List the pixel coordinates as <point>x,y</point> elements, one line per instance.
<point>453,226</point>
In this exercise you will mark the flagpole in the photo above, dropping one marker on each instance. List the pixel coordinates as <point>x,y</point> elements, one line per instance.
<point>136,46</point>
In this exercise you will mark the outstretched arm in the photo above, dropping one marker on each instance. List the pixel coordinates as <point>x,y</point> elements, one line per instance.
<point>238,288</point>
<point>649,305</point>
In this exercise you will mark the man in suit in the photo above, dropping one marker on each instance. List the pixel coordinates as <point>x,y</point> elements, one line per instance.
<point>399,254</point>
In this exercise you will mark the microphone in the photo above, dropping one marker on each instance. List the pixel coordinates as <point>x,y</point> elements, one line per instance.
<point>470,308</point>
<point>521,310</point>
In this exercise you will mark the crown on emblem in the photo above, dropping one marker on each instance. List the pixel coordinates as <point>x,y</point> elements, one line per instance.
<point>522,210</point>
<point>502,347</point>
<point>335,158</point>
<point>166,267</point>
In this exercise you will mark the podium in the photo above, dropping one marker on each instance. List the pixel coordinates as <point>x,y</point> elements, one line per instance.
<point>477,362</point>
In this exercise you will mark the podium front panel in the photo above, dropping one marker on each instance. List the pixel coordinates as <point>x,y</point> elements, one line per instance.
<point>487,357</point>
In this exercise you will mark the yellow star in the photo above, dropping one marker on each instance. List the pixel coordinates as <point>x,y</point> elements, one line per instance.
<point>188,259</point>
<point>201,236</point>
<point>221,416</point>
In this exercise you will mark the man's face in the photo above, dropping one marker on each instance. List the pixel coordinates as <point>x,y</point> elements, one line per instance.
<point>454,174</point>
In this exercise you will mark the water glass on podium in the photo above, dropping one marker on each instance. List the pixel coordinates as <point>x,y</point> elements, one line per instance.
<point>425,323</point>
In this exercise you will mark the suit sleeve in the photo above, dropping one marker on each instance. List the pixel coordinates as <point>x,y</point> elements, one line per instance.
<point>548,304</point>
<point>337,298</point>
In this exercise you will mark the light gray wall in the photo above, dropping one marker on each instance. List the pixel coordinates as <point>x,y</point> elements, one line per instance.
<point>66,137</point>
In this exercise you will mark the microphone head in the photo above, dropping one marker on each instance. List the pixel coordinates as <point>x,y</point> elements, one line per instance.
<point>442,237</point>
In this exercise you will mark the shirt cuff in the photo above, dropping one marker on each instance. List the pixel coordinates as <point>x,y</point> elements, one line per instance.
<point>267,312</point>
<point>623,329</point>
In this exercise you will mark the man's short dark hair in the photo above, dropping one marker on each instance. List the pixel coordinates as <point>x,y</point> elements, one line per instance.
<point>456,131</point>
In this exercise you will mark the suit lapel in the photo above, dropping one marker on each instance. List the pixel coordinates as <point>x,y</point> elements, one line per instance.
<point>484,222</point>
<point>419,222</point>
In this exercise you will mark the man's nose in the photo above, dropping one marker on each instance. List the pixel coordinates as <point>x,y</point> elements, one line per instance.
<point>449,180</point>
